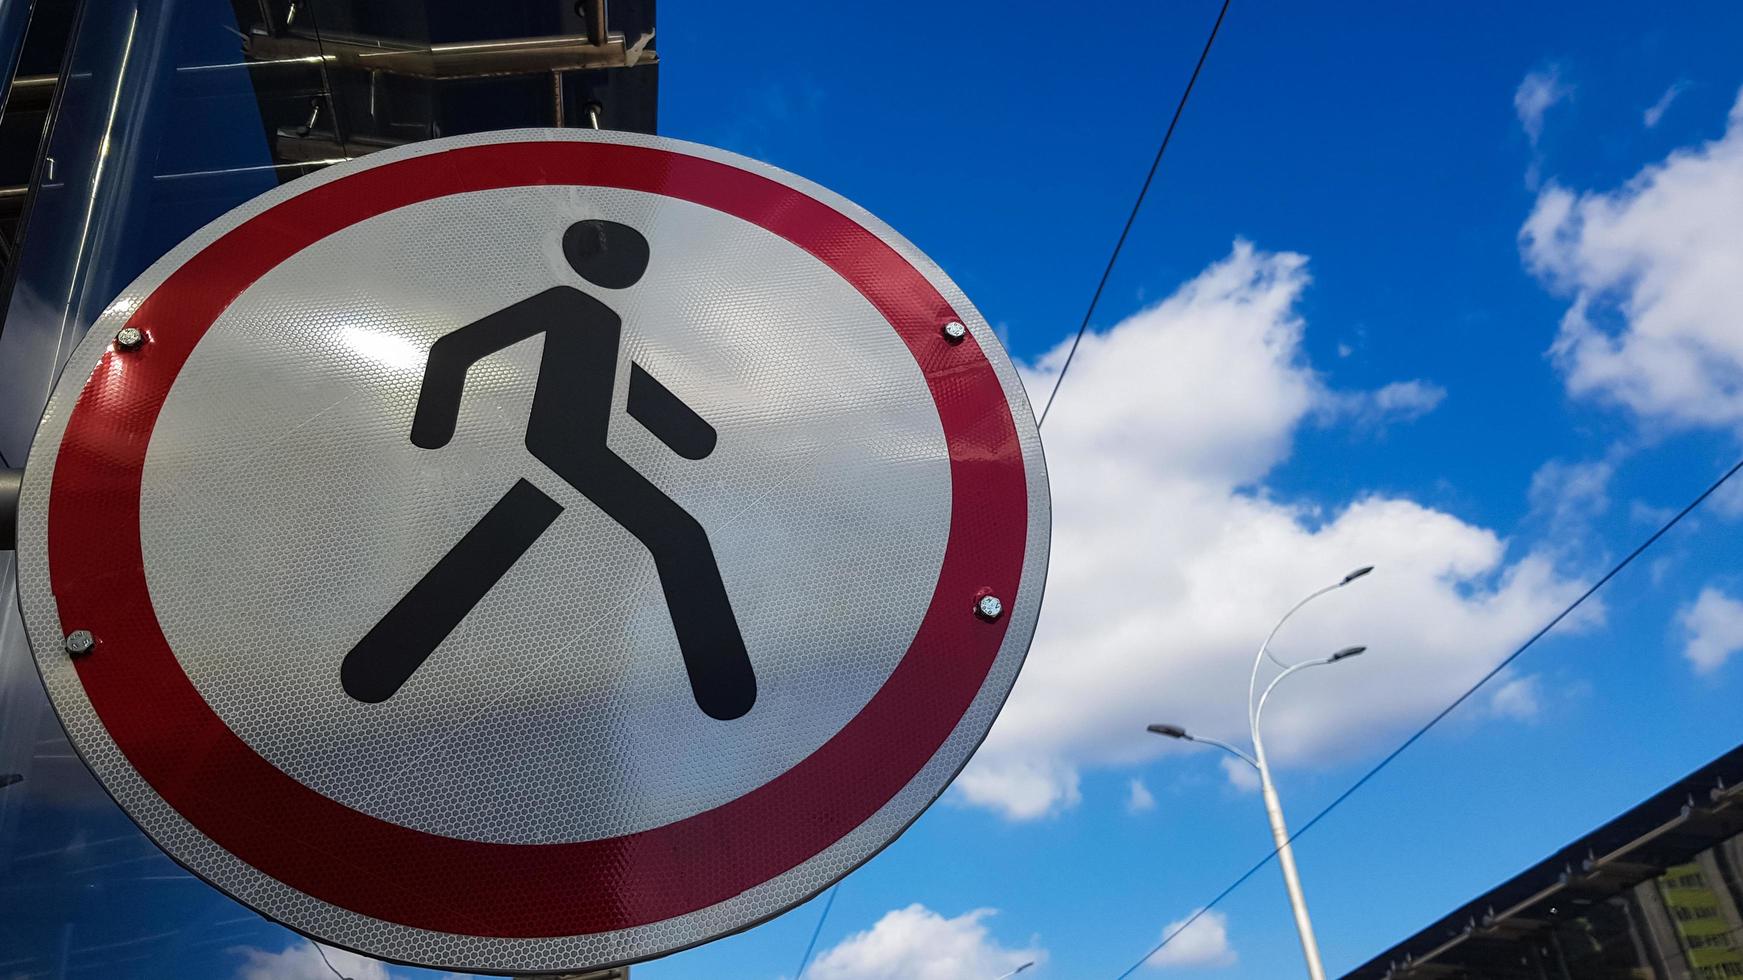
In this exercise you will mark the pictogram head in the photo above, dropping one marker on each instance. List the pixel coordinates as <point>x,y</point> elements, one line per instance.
<point>606,253</point>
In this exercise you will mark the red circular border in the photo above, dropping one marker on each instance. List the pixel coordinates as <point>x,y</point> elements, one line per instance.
<point>249,807</point>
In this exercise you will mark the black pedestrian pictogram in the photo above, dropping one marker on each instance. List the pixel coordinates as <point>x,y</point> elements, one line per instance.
<point>571,414</point>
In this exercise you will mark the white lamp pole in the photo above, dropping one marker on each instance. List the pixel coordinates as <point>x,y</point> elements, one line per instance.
<point>1268,789</point>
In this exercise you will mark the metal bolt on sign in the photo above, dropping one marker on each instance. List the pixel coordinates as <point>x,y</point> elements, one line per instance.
<point>989,608</point>
<point>954,331</point>
<point>80,642</point>
<point>129,338</point>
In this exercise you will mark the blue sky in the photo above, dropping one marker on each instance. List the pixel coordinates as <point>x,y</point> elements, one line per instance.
<point>1385,145</point>
<point>1427,288</point>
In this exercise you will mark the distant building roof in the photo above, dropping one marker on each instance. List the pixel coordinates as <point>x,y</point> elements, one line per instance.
<point>1483,937</point>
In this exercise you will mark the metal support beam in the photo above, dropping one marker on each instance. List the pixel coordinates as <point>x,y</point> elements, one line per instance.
<point>14,23</point>
<point>10,483</point>
<point>472,59</point>
<point>31,91</point>
<point>596,26</point>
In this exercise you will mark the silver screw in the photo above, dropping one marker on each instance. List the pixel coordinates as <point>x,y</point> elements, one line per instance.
<point>989,608</point>
<point>953,332</point>
<point>129,338</point>
<point>80,642</point>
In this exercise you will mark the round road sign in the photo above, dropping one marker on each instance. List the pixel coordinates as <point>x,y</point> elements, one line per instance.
<point>533,551</point>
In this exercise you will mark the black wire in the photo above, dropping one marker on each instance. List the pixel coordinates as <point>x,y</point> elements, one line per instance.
<point>1136,205</point>
<point>1461,699</point>
<point>329,962</point>
<point>1081,328</point>
<point>828,904</point>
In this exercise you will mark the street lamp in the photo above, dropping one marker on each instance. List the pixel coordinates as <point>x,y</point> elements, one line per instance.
<point>1274,808</point>
<point>1020,969</point>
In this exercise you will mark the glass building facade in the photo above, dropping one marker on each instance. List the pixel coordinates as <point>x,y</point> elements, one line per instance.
<point>127,125</point>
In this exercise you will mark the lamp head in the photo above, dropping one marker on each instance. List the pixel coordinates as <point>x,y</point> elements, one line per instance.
<point>1358,573</point>
<point>1172,731</point>
<point>1346,653</point>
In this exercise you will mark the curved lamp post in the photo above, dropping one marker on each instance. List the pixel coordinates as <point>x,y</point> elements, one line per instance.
<point>1274,808</point>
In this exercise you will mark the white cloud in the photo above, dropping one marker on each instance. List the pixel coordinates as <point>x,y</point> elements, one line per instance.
<point>1240,775</point>
<point>1567,494</point>
<point>1641,512</point>
<point>1022,789</point>
<point>1651,272</point>
<point>916,943</point>
<point>1411,399</point>
<point>1656,110</point>
<point>1727,501</point>
<point>303,962</point>
<point>1713,625</point>
<point>1204,943</point>
<point>1519,698</point>
<point>1536,94</point>
<point>1170,559</point>
<point>1139,799</point>
<point>1566,498</point>
<point>1399,401</point>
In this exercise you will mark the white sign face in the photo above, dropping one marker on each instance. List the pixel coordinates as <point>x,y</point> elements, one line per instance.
<point>533,551</point>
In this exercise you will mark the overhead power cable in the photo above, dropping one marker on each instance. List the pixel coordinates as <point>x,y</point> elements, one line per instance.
<point>1138,204</point>
<point>329,962</point>
<point>811,946</point>
<point>1442,713</point>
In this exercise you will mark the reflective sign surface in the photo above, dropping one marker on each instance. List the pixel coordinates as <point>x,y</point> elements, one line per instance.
<point>533,551</point>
